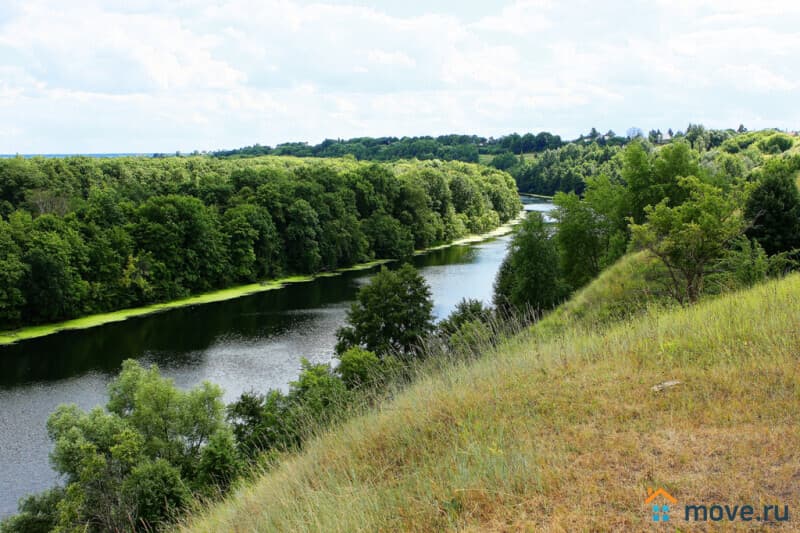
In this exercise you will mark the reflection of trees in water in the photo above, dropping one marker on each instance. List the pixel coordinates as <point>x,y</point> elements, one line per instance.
<point>180,336</point>
<point>447,256</point>
<point>171,338</point>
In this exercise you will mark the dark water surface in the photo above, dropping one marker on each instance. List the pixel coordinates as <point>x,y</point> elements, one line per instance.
<point>253,342</point>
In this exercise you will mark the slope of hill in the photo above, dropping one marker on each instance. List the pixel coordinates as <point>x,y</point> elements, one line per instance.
<point>562,432</point>
<point>624,289</point>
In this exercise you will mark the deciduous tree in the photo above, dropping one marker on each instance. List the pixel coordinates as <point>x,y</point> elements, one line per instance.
<point>689,238</point>
<point>390,314</point>
<point>529,275</point>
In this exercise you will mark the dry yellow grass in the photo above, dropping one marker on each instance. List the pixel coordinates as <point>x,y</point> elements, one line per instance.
<point>563,433</point>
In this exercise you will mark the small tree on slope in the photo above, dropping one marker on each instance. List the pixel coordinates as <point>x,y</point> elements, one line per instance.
<point>691,237</point>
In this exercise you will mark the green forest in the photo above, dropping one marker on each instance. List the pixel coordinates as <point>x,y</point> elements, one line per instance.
<point>541,163</point>
<point>81,235</point>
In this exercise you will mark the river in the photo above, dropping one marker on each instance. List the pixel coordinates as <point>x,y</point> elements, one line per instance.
<point>253,342</point>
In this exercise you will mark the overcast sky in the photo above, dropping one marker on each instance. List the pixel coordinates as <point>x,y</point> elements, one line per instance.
<point>147,76</point>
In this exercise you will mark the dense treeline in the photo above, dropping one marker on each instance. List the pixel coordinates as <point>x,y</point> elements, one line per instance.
<point>465,148</point>
<point>540,163</point>
<point>81,235</point>
<point>567,168</point>
<point>717,210</point>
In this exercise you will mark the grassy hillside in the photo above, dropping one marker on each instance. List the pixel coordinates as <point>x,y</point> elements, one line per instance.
<point>563,433</point>
<point>628,287</point>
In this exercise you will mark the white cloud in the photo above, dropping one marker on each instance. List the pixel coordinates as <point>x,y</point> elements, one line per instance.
<point>756,79</point>
<point>159,76</point>
<point>730,10</point>
<point>520,18</point>
<point>91,48</point>
<point>398,59</point>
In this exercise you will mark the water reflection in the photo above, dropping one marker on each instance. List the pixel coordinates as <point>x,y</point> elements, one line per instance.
<point>173,338</point>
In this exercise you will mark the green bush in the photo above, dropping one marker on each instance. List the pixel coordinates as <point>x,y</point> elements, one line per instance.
<point>775,144</point>
<point>467,310</point>
<point>504,161</point>
<point>37,513</point>
<point>471,338</point>
<point>262,422</point>
<point>773,208</point>
<point>359,368</point>
<point>131,466</point>
<point>278,421</point>
<point>157,490</point>
<point>317,395</point>
<point>220,461</point>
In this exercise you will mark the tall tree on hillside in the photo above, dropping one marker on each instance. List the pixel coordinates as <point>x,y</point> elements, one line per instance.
<point>651,178</point>
<point>582,239</point>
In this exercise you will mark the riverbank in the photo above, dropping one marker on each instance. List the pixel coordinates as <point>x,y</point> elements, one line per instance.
<point>539,196</point>
<point>499,231</point>
<point>32,332</point>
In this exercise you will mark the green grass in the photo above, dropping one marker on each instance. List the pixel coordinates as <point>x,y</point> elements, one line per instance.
<point>10,337</point>
<point>561,432</point>
<point>627,288</point>
<point>485,159</point>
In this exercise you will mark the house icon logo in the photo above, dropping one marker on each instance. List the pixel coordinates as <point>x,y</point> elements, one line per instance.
<point>659,500</point>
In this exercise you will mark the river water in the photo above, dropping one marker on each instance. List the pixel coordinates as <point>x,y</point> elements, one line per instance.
<point>254,342</point>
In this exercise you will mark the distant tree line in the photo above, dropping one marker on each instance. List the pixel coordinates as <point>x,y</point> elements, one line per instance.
<point>467,148</point>
<point>541,163</point>
<point>81,235</point>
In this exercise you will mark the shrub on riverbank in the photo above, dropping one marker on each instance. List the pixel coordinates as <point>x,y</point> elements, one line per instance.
<point>390,314</point>
<point>132,465</point>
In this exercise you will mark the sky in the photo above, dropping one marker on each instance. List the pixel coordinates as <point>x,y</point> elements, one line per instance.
<point>159,76</point>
